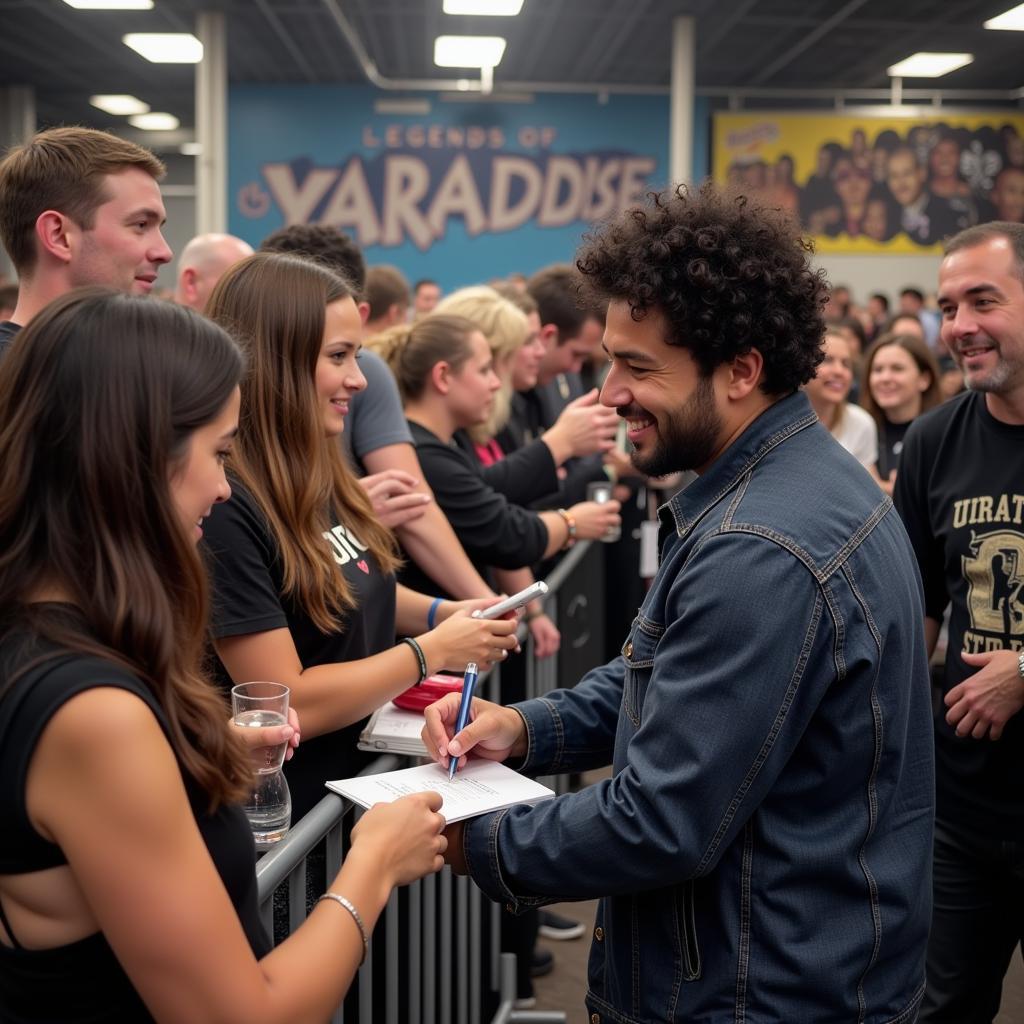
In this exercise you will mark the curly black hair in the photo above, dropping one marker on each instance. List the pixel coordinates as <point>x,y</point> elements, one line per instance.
<point>325,244</point>
<point>727,274</point>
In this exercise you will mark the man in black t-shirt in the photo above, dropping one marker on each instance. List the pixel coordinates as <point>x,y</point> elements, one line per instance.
<point>960,491</point>
<point>79,207</point>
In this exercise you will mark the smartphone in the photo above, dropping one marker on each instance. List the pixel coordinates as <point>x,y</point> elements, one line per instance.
<point>531,593</point>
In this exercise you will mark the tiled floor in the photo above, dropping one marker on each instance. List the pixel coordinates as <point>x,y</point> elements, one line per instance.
<point>563,989</point>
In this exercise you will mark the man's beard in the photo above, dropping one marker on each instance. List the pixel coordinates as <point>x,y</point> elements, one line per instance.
<point>689,438</point>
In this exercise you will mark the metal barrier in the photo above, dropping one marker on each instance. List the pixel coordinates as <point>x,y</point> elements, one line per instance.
<point>441,911</point>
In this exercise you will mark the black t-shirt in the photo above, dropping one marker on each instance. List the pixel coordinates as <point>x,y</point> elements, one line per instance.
<point>960,491</point>
<point>83,981</point>
<point>890,446</point>
<point>7,332</point>
<point>248,597</point>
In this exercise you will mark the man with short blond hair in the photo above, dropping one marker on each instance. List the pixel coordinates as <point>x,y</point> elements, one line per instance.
<point>79,207</point>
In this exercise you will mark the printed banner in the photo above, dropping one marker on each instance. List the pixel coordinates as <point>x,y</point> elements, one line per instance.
<point>470,190</point>
<point>887,184</point>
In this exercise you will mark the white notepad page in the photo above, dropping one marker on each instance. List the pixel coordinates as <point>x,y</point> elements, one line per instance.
<point>479,787</point>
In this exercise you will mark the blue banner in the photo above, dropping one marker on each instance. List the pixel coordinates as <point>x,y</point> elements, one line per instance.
<point>462,193</point>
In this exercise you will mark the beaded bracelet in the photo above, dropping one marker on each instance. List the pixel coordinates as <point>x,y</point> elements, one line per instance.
<point>432,612</point>
<point>420,657</point>
<point>347,904</point>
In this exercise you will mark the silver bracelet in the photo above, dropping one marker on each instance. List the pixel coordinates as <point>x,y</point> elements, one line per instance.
<point>1020,664</point>
<point>347,904</point>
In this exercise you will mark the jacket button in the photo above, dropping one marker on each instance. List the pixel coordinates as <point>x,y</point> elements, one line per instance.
<point>595,1018</point>
<point>599,933</point>
<point>628,652</point>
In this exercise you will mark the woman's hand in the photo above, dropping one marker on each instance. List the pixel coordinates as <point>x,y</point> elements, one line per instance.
<point>546,638</point>
<point>273,735</point>
<point>403,838</point>
<point>394,497</point>
<point>595,519</point>
<point>461,639</point>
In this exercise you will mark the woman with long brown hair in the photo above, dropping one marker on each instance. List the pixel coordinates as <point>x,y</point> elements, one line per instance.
<point>127,889</point>
<point>900,381</point>
<point>303,573</point>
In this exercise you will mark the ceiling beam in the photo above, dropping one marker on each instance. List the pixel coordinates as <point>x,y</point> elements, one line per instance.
<point>787,58</point>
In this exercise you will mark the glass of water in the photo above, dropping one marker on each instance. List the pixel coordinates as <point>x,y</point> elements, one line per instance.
<point>269,806</point>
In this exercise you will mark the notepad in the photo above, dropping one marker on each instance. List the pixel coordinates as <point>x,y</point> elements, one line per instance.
<point>393,730</point>
<point>479,787</point>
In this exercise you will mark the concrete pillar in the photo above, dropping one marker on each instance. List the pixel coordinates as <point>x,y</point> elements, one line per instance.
<point>212,123</point>
<point>684,57</point>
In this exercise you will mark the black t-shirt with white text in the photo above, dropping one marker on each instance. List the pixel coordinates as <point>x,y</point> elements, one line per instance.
<point>248,597</point>
<point>960,491</point>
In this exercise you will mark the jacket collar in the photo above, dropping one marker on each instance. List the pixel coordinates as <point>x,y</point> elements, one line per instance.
<point>779,421</point>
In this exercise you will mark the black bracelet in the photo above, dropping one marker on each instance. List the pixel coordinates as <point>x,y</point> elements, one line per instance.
<point>420,657</point>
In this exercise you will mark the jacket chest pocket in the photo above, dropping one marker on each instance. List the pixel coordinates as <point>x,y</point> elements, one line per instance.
<point>638,653</point>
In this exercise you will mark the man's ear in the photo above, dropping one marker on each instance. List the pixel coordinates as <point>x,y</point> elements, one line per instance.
<point>56,234</point>
<point>549,335</point>
<point>188,283</point>
<point>364,311</point>
<point>746,372</point>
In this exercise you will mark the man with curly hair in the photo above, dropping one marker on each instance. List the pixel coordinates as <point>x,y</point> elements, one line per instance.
<point>762,846</point>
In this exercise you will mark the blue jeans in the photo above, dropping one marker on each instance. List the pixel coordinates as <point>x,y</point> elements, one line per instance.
<point>976,925</point>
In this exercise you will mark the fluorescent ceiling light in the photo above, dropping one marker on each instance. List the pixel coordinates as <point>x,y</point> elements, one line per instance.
<point>119,104</point>
<point>502,8</point>
<point>166,47</point>
<point>154,122</point>
<point>468,51</point>
<point>929,65</point>
<point>1009,21</point>
<point>110,5</point>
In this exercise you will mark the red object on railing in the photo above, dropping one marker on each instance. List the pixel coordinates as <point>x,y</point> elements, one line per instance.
<point>432,689</point>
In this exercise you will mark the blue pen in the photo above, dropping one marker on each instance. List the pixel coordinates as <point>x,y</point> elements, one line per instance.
<point>468,683</point>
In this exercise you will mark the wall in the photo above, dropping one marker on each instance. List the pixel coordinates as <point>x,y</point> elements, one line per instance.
<point>886,274</point>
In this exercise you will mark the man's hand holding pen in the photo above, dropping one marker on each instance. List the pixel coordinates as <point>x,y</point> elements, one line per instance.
<point>494,733</point>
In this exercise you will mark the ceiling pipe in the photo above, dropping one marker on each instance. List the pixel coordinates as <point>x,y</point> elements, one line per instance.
<point>734,95</point>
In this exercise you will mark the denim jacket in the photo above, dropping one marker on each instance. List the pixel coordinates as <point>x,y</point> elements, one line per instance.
<point>763,847</point>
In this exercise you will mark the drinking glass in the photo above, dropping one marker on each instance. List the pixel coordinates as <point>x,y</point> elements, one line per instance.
<point>269,805</point>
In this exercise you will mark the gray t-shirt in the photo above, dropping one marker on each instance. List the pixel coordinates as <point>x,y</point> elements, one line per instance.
<point>375,417</point>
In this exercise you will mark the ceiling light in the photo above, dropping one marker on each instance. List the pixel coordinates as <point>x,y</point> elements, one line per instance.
<point>119,104</point>
<point>503,8</point>
<point>154,122</point>
<point>110,5</point>
<point>1009,21</point>
<point>468,51</point>
<point>166,47</point>
<point>929,65</point>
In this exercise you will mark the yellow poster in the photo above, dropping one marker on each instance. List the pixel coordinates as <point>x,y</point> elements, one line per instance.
<point>877,184</point>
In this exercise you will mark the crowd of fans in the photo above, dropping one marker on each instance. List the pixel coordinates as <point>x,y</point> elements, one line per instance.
<point>351,466</point>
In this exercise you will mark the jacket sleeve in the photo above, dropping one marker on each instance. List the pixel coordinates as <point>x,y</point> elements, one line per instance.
<point>714,726</point>
<point>524,475</point>
<point>492,530</point>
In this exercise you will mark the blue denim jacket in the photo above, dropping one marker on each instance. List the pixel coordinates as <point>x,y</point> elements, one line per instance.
<point>763,847</point>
